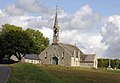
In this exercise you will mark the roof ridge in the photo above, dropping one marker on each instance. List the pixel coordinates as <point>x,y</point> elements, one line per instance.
<point>90,54</point>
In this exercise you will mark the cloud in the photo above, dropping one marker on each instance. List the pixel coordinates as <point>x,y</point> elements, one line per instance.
<point>15,20</point>
<point>47,32</point>
<point>22,7</point>
<point>40,21</point>
<point>81,17</point>
<point>33,6</point>
<point>17,11</point>
<point>84,20</point>
<point>86,42</point>
<point>111,36</point>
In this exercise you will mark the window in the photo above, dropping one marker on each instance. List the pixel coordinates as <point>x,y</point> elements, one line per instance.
<point>74,53</point>
<point>31,61</point>
<point>45,55</point>
<point>63,55</point>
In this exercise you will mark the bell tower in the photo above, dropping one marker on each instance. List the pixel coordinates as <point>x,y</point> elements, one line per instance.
<point>56,30</point>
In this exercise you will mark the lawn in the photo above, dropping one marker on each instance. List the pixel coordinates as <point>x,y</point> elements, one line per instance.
<point>29,73</point>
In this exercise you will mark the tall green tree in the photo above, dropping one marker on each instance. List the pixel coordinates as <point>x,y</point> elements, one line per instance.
<point>40,41</point>
<point>17,42</point>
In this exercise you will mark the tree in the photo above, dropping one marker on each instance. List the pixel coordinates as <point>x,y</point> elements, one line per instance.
<point>1,55</point>
<point>15,41</point>
<point>40,41</point>
<point>114,63</point>
<point>104,63</point>
<point>18,42</point>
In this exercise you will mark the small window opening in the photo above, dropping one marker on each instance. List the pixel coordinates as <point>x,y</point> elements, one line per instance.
<point>73,52</point>
<point>45,55</point>
<point>63,55</point>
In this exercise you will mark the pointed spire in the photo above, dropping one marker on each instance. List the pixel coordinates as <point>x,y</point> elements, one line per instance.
<point>56,29</point>
<point>56,17</point>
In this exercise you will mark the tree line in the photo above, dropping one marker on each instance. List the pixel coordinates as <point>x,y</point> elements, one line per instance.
<point>104,63</point>
<point>18,42</point>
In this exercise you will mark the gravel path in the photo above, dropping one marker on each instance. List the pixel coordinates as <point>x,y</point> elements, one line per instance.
<point>4,73</point>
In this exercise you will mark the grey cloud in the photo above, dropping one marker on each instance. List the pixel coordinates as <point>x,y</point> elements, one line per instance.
<point>31,6</point>
<point>111,38</point>
<point>22,7</point>
<point>41,22</point>
<point>13,10</point>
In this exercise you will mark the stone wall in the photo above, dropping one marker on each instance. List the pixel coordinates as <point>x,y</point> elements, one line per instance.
<point>87,65</point>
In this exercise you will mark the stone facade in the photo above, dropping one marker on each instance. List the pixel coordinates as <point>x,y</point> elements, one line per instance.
<point>55,54</point>
<point>65,54</point>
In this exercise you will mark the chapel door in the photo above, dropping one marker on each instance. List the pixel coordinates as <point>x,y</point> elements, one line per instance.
<point>54,61</point>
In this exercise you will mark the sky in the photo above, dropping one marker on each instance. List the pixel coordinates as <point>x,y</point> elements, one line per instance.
<point>92,25</point>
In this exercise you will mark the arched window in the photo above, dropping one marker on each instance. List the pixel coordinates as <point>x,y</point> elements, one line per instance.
<point>45,55</point>
<point>63,55</point>
<point>74,52</point>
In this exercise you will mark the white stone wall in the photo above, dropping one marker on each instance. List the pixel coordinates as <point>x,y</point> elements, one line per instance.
<point>87,65</point>
<point>75,62</point>
<point>33,61</point>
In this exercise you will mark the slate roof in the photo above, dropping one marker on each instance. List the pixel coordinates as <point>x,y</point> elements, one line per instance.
<point>87,57</point>
<point>70,48</point>
<point>32,56</point>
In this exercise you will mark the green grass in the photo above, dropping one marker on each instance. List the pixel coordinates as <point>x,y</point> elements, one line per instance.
<point>28,73</point>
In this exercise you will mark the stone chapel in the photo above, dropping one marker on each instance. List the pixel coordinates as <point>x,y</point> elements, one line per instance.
<point>66,54</point>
